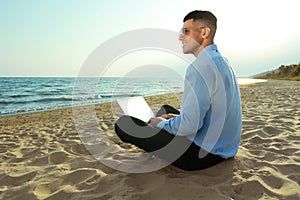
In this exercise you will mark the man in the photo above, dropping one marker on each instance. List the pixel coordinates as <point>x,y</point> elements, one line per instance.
<point>207,129</point>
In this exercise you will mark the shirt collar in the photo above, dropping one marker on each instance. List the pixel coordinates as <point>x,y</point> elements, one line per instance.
<point>211,47</point>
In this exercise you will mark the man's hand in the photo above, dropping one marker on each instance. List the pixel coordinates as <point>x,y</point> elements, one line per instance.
<point>155,120</point>
<point>169,116</point>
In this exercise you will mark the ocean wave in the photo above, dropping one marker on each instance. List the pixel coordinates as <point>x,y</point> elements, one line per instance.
<point>63,98</point>
<point>5,102</point>
<point>118,95</point>
<point>30,109</point>
<point>41,100</point>
<point>51,99</point>
<point>51,92</point>
<point>20,95</point>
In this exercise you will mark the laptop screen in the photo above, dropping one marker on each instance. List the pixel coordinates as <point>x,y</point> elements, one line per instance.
<point>136,107</point>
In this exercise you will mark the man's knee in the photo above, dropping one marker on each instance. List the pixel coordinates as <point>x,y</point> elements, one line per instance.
<point>120,126</point>
<point>127,126</point>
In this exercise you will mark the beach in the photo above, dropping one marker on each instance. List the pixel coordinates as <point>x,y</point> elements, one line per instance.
<point>42,155</point>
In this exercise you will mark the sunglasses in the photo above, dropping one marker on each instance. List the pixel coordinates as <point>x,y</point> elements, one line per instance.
<point>183,31</point>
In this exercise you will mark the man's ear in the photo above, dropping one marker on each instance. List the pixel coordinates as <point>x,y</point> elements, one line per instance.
<point>206,33</point>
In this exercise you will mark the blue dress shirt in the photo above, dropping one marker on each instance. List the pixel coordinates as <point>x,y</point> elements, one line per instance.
<point>210,113</point>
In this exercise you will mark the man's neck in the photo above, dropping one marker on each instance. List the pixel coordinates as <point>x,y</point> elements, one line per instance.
<point>202,46</point>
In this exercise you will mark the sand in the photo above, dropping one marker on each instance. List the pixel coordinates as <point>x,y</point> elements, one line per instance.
<point>42,156</point>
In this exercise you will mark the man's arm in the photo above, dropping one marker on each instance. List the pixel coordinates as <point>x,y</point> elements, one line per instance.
<point>194,106</point>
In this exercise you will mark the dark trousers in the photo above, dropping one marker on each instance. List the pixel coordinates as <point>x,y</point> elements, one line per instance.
<point>151,139</point>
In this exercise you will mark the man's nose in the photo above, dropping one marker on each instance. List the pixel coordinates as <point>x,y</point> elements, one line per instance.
<point>180,37</point>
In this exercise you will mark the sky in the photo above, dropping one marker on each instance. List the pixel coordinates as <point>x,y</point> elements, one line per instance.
<point>55,37</point>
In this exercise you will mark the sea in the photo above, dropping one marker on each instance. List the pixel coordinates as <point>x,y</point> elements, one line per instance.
<point>31,94</point>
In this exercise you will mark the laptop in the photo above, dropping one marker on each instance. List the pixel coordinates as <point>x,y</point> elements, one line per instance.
<point>136,107</point>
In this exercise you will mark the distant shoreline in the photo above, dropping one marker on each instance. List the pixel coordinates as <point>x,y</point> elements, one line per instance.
<point>296,78</point>
<point>284,72</point>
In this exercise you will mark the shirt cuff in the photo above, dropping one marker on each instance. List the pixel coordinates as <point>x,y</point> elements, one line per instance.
<point>162,124</point>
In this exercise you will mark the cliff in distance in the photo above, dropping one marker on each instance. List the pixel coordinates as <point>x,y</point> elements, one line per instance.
<point>284,72</point>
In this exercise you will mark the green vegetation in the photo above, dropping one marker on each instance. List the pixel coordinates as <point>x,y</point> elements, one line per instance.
<point>284,72</point>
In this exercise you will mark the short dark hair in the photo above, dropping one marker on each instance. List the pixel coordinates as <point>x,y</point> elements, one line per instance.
<point>204,16</point>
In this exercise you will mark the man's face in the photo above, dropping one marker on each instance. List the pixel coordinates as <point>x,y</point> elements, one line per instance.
<point>192,39</point>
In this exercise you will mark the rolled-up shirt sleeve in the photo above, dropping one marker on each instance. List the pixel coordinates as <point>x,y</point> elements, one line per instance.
<point>195,103</point>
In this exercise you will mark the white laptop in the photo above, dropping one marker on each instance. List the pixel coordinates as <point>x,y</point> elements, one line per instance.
<point>136,107</point>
